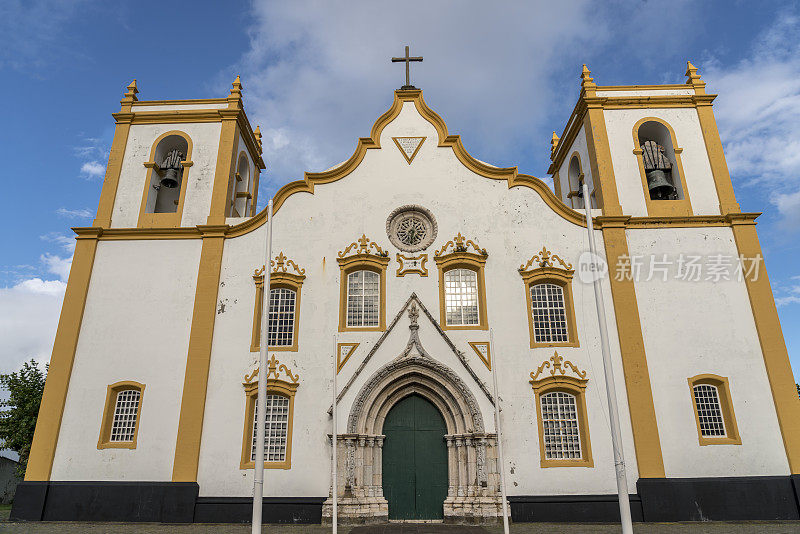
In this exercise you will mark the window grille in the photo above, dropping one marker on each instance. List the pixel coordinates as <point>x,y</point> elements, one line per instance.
<point>277,429</point>
<point>281,317</point>
<point>126,408</point>
<point>363,298</point>
<point>461,297</point>
<point>560,425</point>
<point>548,313</point>
<point>709,411</point>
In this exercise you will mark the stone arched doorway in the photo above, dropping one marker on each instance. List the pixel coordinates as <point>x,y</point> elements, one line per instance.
<point>414,460</point>
<point>473,482</point>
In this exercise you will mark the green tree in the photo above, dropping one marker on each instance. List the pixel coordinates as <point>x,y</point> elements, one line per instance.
<point>19,411</point>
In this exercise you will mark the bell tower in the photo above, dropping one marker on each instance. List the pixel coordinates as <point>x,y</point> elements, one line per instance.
<point>180,163</point>
<point>644,151</point>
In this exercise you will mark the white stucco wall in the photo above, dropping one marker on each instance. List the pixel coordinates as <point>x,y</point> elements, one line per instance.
<point>205,144</point>
<point>135,327</point>
<point>511,224</point>
<point>697,169</point>
<point>579,146</point>
<point>693,328</point>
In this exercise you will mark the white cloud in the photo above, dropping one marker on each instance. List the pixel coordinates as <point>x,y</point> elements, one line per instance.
<point>317,75</point>
<point>57,265</point>
<point>92,169</point>
<point>28,318</point>
<point>66,242</point>
<point>83,213</point>
<point>758,113</point>
<point>788,294</point>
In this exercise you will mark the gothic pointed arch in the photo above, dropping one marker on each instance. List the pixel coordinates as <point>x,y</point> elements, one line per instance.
<point>421,375</point>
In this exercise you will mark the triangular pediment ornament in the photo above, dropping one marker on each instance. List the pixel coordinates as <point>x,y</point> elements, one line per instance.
<point>414,349</point>
<point>409,146</point>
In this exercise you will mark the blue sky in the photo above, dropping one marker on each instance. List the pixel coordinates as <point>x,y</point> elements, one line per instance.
<point>316,75</point>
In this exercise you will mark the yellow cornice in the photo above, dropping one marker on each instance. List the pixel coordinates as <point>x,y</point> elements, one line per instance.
<point>189,101</point>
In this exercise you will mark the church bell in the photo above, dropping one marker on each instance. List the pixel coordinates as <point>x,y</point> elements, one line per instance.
<point>171,167</point>
<point>658,170</point>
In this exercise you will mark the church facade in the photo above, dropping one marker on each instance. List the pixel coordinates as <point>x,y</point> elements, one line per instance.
<point>417,270</point>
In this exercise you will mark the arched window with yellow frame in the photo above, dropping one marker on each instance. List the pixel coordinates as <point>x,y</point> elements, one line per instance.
<point>284,311</point>
<point>561,414</point>
<point>713,410</point>
<point>661,169</point>
<point>280,416</point>
<point>547,280</point>
<point>362,286</point>
<point>166,180</point>
<point>119,427</point>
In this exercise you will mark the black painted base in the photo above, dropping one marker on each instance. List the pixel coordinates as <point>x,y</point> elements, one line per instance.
<point>658,499</point>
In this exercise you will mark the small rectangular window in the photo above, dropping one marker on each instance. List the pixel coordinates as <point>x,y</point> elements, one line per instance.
<point>277,429</point>
<point>548,313</point>
<point>363,299</point>
<point>126,409</point>
<point>461,297</point>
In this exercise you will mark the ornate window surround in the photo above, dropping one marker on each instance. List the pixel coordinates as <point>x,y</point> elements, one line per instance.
<point>662,208</point>
<point>362,259</point>
<point>458,258</point>
<point>546,272</point>
<point>280,277</point>
<point>575,386</point>
<point>275,386</point>
<point>165,220</point>
<point>732,436</point>
<point>104,442</point>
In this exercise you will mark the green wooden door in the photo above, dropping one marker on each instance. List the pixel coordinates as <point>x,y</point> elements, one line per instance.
<point>414,460</point>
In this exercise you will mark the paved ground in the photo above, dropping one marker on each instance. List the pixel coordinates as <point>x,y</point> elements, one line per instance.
<point>760,527</point>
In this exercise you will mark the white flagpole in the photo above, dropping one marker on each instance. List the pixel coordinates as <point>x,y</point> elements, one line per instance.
<point>334,486</point>
<point>611,391</point>
<point>501,464</point>
<point>261,405</point>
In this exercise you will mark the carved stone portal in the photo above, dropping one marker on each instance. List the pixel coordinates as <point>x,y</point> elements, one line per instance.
<point>473,479</point>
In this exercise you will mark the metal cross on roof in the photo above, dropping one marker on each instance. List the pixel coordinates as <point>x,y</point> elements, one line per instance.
<point>407,60</point>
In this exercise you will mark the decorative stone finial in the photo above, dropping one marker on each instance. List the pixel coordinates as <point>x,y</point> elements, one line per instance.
<point>693,78</point>
<point>130,95</point>
<point>257,133</point>
<point>586,76</point>
<point>413,314</point>
<point>554,143</point>
<point>237,86</point>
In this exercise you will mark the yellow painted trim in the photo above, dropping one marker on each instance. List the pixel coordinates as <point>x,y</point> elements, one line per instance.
<point>226,163</point>
<point>770,337</point>
<point>104,441</point>
<point>422,270</point>
<point>663,208</point>
<point>465,260</point>
<point>274,387</point>
<point>646,440</point>
<point>563,279</point>
<point>577,388</point>
<point>164,220</point>
<point>487,361</point>
<point>557,186</point>
<point>603,180</point>
<point>276,280</point>
<point>716,158</point>
<point>726,405</point>
<point>51,410</point>
<point>179,102</point>
<point>409,159</point>
<point>108,194</point>
<point>198,359</point>
<point>360,262</point>
<point>341,361</point>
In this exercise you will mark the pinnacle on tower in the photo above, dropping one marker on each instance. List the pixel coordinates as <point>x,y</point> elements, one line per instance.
<point>693,78</point>
<point>132,90</point>
<point>586,77</point>
<point>553,144</point>
<point>237,86</point>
